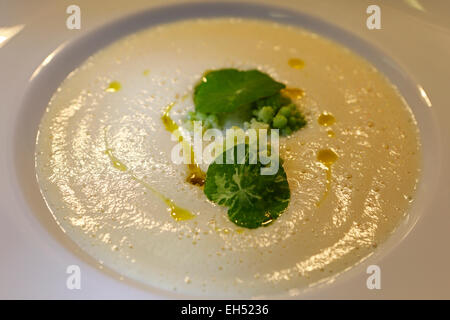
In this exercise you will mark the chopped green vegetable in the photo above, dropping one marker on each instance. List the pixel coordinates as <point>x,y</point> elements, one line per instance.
<point>265,114</point>
<point>285,111</point>
<point>227,89</point>
<point>292,122</point>
<point>286,131</point>
<point>279,121</point>
<point>253,200</point>
<point>301,122</point>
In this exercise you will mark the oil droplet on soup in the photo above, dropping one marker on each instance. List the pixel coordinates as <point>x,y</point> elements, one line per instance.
<point>326,119</point>
<point>296,63</point>
<point>293,93</point>
<point>178,213</point>
<point>114,86</point>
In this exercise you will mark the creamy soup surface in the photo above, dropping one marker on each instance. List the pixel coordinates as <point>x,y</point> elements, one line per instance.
<point>102,148</point>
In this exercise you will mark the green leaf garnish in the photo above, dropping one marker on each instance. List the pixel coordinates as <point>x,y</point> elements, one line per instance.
<point>253,200</point>
<point>247,99</point>
<point>227,89</point>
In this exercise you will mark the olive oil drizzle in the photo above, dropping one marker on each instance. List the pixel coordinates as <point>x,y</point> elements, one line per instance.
<point>195,175</point>
<point>327,158</point>
<point>176,212</point>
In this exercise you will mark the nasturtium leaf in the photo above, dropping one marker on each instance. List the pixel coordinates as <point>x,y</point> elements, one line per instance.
<point>225,90</point>
<point>253,200</point>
